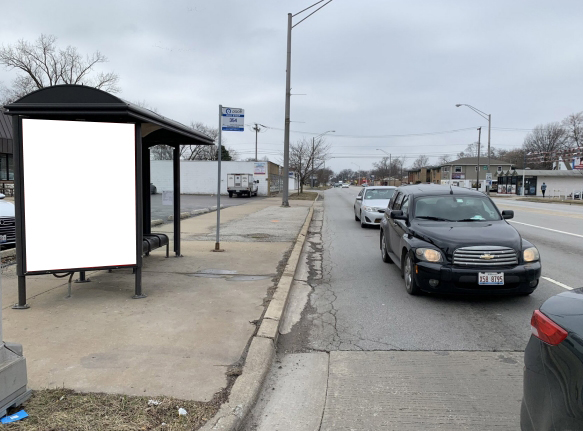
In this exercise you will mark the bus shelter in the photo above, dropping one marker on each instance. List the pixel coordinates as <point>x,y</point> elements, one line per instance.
<point>82,181</point>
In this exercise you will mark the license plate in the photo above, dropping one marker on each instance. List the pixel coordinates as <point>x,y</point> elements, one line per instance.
<point>491,278</point>
<point>3,238</point>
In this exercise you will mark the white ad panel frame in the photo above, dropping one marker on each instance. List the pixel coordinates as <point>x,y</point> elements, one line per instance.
<point>80,192</point>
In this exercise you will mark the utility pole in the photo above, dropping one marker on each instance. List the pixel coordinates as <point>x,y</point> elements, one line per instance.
<point>478,173</point>
<point>487,117</point>
<point>257,129</point>
<point>312,176</point>
<point>390,168</point>
<point>285,199</point>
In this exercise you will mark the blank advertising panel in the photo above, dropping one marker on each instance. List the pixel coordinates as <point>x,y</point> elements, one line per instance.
<point>79,194</point>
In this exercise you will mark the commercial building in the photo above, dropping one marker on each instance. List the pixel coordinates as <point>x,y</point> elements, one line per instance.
<point>560,183</point>
<point>200,176</point>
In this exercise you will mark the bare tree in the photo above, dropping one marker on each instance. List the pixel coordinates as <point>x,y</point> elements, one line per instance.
<point>545,141</point>
<point>306,156</point>
<point>387,167</point>
<point>42,64</point>
<point>573,126</point>
<point>420,162</point>
<point>444,160</point>
<point>345,174</point>
<point>324,175</point>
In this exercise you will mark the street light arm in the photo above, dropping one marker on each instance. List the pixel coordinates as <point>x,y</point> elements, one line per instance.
<point>309,7</point>
<point>476,110</point>
<point>299,22</point>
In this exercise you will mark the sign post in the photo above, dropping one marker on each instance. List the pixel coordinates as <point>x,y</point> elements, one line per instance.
<point>230,120</point>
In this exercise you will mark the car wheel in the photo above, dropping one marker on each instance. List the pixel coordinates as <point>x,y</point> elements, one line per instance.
<point>409,276</point>
<point>384,255</point>
<point>355,216</point>
<point>362,225</point>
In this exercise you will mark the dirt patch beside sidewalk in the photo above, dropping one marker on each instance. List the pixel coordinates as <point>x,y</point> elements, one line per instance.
<point>67,410</point>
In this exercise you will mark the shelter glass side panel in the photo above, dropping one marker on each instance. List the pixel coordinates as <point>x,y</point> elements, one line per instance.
<point>79,194</point>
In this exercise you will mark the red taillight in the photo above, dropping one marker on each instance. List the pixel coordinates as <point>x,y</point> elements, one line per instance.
<point>546,330</point>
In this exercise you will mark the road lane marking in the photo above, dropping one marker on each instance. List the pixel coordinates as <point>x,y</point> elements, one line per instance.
<point>558,283</point>
<point>546,228</point>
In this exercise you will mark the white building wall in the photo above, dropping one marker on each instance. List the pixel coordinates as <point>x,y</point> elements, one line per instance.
<point>200,177</point>
<point>559,185</point>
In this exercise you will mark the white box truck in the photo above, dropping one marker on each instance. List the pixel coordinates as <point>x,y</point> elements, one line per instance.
<point>242,184</point>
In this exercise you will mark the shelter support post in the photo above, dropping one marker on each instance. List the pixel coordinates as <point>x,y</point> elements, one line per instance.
<point>176,170</point>
<point>21,305</point>
<point>19,212</point>
<point>139,215</point>
<point>138,287</point>
<point>147,199</point>
<point>82,278</point>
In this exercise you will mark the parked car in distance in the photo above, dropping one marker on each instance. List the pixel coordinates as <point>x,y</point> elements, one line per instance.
<point>371,203</point>
<point>553,366</point>
<point>7,222</point>
<point>455,240</point>
<point>345,185</point>
<point>337,184</point>
<point>153,189</point>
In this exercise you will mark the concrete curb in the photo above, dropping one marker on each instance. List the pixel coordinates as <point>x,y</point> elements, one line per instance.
<point>8,253</point>
<point>247,387</point>
<point>188,214</point>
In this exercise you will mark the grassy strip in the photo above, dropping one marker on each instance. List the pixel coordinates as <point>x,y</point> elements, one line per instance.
<point>67,410</point>
<point>305,196</point>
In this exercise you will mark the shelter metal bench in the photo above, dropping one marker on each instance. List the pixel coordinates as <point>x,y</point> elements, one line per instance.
<point>153,241</point>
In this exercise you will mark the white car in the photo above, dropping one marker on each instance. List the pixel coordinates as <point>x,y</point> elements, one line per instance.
<point>345,185</point>
<point>371,203</point>
<point>7,222</point>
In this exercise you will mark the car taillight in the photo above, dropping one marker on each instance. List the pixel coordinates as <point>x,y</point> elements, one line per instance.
<point>546,330</point>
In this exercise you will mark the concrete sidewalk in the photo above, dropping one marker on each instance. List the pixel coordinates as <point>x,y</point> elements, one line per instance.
<point>196,322</point>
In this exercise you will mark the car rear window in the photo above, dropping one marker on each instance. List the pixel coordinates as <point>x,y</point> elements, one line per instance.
<point>379,193</point>
<point>456,208</point>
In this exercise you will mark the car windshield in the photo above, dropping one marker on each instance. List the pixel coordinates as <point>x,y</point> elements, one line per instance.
<point>455,208</point>
<point>379,193</point>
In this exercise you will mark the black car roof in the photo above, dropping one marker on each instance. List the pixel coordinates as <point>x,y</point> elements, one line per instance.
<point>436,190</point>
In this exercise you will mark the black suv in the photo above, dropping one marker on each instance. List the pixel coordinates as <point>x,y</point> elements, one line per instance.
<point>455,240</point>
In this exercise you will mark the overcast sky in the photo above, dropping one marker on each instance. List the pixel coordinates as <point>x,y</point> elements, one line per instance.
<point>370,69</point>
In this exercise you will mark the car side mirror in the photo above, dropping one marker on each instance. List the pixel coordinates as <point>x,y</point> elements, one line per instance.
<point>359,198</point>
<point>507,214</point>
<point>398,215</point>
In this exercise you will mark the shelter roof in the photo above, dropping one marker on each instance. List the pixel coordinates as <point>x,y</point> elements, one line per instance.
<point>79,102</point>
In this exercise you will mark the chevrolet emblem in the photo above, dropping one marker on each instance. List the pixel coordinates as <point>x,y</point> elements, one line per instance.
<point>487,256</point>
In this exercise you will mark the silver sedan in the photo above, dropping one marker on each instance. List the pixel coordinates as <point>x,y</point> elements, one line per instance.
<point>371,203</point>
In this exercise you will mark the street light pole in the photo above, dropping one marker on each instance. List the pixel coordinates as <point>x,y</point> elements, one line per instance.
<point>285,198</point>
<point>390,164</point>
<point>478,171</point>
<point>487,117</point>
<point>358,166</point>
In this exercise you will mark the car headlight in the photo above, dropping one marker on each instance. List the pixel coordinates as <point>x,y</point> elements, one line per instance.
<point>428,255</point>
<point>530,254</point>
<point>368,208</point>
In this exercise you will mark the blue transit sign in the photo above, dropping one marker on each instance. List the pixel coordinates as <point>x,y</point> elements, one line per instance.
<point>232,119</point>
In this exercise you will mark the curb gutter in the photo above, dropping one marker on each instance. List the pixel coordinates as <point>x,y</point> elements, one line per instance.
<point>247,387</point>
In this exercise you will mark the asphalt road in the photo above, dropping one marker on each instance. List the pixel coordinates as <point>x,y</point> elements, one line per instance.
<point>394,361</point>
